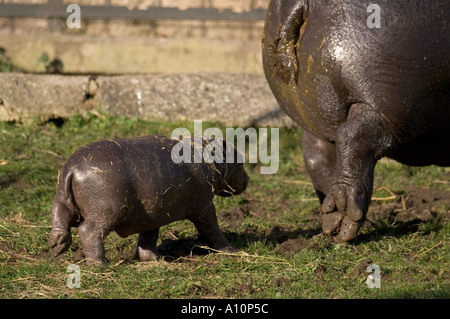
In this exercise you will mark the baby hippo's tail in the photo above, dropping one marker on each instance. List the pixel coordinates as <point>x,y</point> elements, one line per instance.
<point>64,215</point>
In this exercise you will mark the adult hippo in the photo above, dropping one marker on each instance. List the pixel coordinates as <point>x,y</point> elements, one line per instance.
<point>361,91</point>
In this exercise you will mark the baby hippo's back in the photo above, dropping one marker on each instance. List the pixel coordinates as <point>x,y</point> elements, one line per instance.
<point>131,185</point>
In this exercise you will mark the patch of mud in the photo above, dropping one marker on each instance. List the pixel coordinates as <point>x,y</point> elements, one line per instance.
<point>234,216</point>
<point>16,256</point>
<point>291,246</point>
<point>406,213</point>
<point>278,235</point>
<point>295,245</point>
<point>4,248</point>
<point>398,217</point>
<point>361,268</point>
<point>15,182</point>
<point>246,288</point>
<point>360,271</point>
<point>320,270</point>
<point>199,290</point>
<point>416,204</point>
<point>174,249</point>
<point>77,254</point>
<point>281,282</point>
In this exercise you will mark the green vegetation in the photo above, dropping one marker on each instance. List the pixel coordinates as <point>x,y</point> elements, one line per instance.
<point>5,63</point>
<point>275,222</point>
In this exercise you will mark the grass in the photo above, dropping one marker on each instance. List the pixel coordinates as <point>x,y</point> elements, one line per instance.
<point>413,255</point>
<point>5,63</point>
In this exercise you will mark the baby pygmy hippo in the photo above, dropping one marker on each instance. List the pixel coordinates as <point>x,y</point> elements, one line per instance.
<point>134,186</point>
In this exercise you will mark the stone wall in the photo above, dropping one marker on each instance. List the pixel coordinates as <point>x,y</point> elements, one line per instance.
<point>124,47</point>
<point>165,69</point>
<point>230,99</point>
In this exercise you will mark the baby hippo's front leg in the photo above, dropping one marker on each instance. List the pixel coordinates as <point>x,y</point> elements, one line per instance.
<point>206,224</point>
<point>146,246</point>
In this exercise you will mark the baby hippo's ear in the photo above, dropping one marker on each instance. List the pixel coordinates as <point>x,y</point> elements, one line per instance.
<point>231,154</point>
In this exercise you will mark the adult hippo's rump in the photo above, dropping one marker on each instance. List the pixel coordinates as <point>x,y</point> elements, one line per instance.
<point>360,92</point>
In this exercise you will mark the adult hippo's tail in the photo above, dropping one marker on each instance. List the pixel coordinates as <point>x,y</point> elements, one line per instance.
<point>282,31</point>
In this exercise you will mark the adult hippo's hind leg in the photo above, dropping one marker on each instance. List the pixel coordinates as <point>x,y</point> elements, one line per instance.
<point>320,162</point>
<point>360,141</point>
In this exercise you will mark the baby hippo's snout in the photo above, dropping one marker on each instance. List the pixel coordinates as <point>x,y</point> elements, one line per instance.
<point>234,182</point>
<point>243,186</point>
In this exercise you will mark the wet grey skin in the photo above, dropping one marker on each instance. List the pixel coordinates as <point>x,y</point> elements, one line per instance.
<point>133,186</point>
<point>360,93</point>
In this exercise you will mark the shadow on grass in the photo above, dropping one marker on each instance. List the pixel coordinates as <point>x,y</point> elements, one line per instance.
<point>391,227</point>
<point>281,241</point>
<point>292,241</point>
<point>441,293</point>
<point>173,250</point>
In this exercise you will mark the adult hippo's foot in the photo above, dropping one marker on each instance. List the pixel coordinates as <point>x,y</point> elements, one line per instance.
<point>342,173</point>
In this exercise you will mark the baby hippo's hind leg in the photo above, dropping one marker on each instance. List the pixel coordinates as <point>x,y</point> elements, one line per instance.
<point>91,235</point>
<point>63,218</point>
<point>206,224</point>
<point>146,247</point>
